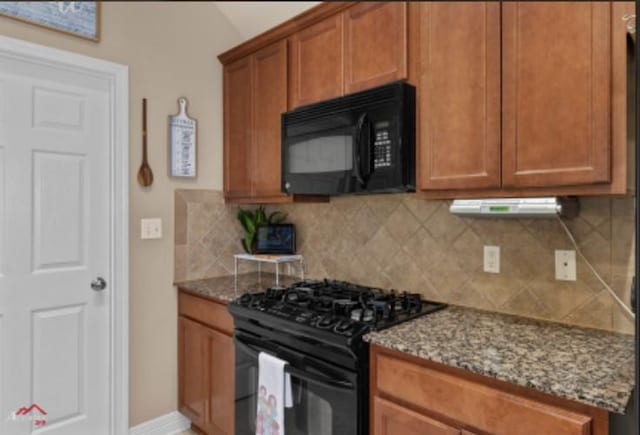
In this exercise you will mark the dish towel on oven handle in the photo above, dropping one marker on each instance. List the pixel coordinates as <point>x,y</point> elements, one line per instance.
<point>274,394</point>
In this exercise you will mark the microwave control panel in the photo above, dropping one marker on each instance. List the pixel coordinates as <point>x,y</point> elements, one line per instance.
<point>382,146</point>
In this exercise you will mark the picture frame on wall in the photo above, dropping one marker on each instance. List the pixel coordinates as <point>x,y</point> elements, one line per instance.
<point>81,19</point>
<point>182,143</point>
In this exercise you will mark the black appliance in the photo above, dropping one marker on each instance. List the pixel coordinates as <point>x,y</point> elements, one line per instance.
<point>317,327</point>
<point>362,142</point>
<point>276,239</point>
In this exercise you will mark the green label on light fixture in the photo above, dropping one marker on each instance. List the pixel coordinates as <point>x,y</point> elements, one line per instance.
<point>500,208</point>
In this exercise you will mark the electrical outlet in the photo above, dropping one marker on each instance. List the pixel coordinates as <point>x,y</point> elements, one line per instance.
<point>565,265</point>
<point>151,228</point>
<point>492,259</point>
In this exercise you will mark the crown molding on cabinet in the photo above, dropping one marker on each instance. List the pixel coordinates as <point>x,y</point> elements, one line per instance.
<point>283,30</point>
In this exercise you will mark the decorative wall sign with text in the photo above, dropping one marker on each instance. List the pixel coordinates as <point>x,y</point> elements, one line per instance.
<point>182,143</point>
<point>76,18</point>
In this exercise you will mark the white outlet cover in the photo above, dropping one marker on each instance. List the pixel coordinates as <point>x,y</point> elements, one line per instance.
<point>492,259</point>
<point>151,228</point>
<point>565,265</point>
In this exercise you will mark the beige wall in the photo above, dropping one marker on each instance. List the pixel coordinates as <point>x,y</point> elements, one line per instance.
<point>398,241</point>
<point>171,51</point>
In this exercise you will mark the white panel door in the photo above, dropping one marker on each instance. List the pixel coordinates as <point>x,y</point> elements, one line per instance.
<point>54,241</point>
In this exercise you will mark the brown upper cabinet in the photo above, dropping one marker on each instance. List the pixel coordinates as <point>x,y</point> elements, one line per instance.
<point>237,128</point>
<point>553,72</point>
<point>255,94</point>
<point>269,82</point>
<point>513,98</point>
<point>317,62</point>
<point>375,44</point>
<point>362,47</point>
<point>556,93</point>
<point>458,85</point>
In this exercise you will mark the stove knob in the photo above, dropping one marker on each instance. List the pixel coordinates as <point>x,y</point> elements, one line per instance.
<point>325,322</point>
<point>291,297</point>
<point>245,299</point>
<point>344,326</point>
<point>368,315</point>
<point>356,314</point>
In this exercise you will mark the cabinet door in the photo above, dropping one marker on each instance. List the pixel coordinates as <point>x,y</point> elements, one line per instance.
<point>488,409</point>
<point>221,383</point>
<point>237,128</point>
<point>193,370</point>
<point>556,78</point>
<point>317,66</point>
<point>269,81</point>
<point>392,419</point>
<point>375,44</point>
<point>459,95</point>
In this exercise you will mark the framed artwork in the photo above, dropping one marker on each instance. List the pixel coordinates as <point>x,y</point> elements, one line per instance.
<point>182,143</point>
<point>75,18</point>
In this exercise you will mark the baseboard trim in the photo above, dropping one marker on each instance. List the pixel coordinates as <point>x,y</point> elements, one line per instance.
<point>168,424</point>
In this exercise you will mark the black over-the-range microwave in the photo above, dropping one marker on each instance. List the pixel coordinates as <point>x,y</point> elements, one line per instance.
<point>362,142</point>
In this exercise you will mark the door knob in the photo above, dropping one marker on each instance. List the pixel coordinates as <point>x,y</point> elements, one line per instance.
<point>98,284</point>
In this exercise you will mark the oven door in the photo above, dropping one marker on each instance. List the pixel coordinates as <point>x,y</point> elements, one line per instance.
<point>325,397</point>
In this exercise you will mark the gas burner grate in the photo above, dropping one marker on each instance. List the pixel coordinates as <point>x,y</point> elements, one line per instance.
<point>339,306</point>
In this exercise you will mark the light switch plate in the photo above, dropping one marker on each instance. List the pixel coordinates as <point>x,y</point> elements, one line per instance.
<point>151,228</point>
<point>492,259</point>
<point>565,265</point>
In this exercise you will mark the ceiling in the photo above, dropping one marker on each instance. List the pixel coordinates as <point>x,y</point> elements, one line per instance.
<point>253,18</point>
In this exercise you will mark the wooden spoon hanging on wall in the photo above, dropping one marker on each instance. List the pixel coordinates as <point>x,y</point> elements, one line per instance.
<point>145,174</point>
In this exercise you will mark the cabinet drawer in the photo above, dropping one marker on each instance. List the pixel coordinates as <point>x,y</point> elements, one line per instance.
<point>205,311</point>
<point>393,419</point>
<point>470,403</point>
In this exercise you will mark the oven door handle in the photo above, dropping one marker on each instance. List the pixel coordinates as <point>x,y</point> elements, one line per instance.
<point>337,384</point>
<point>240,342</point>
<point>325,381</point>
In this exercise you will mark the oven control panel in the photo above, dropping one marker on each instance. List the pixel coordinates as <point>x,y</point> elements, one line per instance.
<point>382,146</point>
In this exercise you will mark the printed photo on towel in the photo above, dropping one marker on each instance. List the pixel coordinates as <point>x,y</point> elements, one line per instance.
<point>267,418</point>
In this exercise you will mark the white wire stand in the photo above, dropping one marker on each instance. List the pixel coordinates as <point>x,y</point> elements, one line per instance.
<point>277,260</point>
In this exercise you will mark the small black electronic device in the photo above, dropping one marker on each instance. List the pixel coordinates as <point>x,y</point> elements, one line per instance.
<point>276,239</point>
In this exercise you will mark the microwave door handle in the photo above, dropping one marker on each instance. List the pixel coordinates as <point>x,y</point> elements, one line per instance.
<point>367,157</point>
<point>357,157</point>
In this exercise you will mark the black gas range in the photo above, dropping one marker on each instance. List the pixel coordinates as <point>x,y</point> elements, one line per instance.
<point>318,328</point>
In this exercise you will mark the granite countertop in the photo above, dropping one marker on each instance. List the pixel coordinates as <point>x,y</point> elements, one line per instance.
<point>224,289</point>
<point>585,365</point>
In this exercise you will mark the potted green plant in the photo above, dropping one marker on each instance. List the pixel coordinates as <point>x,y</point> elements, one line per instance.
<point>250,220</point>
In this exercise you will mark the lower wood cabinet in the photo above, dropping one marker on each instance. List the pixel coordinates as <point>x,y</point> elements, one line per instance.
<point>391,419</point>
<point>414,396</point>
<point>192,354</point>
<point>206,388</point>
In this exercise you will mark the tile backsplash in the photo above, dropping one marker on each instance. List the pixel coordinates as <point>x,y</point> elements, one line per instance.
<point>398,241</point>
